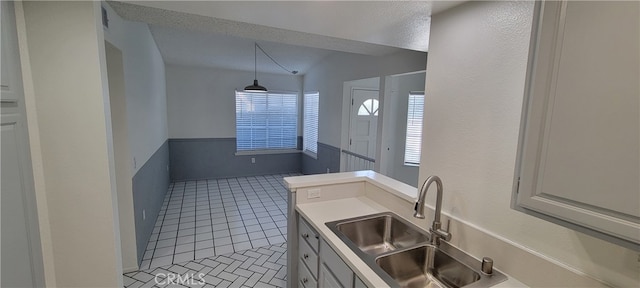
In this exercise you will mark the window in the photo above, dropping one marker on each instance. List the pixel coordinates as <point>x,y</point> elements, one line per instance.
<point>266,121</point>
<point>369,107</point>
<point>414,129</point>
<point>310,133</point>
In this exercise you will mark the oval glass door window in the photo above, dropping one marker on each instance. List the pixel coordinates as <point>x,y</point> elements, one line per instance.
<point>369,108</point>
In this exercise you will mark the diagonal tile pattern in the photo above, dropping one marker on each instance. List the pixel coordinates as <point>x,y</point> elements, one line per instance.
<point>206,218</point>
<point>257,267</point>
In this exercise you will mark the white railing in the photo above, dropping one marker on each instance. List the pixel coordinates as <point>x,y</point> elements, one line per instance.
<point>357,162</point>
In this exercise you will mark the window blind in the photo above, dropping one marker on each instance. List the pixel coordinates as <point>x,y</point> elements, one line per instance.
<point>310,133</point>
<point>414,129</point>
<point>266,121</point>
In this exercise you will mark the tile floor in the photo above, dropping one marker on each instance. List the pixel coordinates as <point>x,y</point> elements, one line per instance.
<point>262,267</point>
<point>206,218</point>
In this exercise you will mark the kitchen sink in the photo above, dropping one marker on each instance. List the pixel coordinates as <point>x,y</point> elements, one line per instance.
<point>417,267</point>
<point>402,255</point>
<point>380,233</point>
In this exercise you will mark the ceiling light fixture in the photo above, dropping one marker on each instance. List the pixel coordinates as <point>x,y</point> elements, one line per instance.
<point>255,87</point>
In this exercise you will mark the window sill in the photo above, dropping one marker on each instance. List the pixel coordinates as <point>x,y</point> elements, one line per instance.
<point>411,165</point>
<point>267,152</point>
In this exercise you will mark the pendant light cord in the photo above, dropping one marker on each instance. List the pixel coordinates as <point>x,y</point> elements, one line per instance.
<point>294,72</point>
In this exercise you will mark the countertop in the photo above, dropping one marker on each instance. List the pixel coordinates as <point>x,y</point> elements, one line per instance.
<point>319,213</point>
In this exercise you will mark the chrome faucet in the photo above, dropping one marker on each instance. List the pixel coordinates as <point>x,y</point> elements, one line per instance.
<point>436,232</point>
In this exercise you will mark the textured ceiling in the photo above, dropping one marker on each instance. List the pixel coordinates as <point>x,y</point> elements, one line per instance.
<point>221,33</point>
<point>194,48</point>
<point>403,24</point>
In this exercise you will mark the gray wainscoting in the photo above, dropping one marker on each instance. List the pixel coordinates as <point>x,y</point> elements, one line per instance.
<point>211,158</point>
<point>328,158</point>
<point>150,185</point>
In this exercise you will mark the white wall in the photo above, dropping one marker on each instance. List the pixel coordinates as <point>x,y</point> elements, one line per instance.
<point>475,85</point>
<point>66,80</point>
<point>145,88</point>
<point>202,101</point>
<point>328,77</point>
<point>146,114</point>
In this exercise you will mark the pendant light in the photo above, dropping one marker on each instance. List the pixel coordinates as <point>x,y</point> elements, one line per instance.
<point>255,87</point>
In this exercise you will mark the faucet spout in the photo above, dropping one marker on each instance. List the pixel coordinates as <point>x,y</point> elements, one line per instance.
<point>436,232</point>
<point>419,209</point>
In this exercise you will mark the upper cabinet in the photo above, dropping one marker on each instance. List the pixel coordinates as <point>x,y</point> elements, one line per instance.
<point>579,151</point>
<point>8,55</point>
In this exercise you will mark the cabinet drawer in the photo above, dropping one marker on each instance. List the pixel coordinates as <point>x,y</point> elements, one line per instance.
<point>305,277</point>
<point>309,257</point>
<point>334,263</point>
<point>308,234</point>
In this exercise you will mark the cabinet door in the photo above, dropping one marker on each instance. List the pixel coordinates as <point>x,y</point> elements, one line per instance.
<point>579,155</point>
<point>20,243</point>
<point>327,280</point>
<point>9,56</point>
<point>334,263</point>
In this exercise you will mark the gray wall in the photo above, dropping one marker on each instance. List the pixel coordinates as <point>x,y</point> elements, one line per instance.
<point>209,158</point>
<point>328,158</point>
<point>150,185</point>
<point>146,116</point>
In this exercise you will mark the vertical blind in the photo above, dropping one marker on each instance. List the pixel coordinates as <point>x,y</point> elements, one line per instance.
<point>310,133</point>
<point>266,121</point>
<point>414,128</point>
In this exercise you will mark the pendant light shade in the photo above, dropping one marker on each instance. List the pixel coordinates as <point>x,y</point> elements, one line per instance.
<point>255,87</point>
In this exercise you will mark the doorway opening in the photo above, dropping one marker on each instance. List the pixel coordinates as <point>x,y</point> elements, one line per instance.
<point>401,133</point>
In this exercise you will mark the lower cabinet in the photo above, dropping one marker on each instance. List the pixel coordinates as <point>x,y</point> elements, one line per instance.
<point>319,265</point>
<point>334,266</point>
<point>305,277</point>
<point>326,278</point>
<point>307,255</point>
<point>357,283</point>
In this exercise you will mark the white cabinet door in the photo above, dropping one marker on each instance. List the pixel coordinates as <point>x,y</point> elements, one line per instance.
<point>333,263</point>
<point>327,280</point>
<point>9,80</point>
<point>16,252</point>
<point>579,155</point>
<point>21,256</point>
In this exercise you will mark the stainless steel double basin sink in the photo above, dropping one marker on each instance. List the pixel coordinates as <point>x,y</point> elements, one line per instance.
<point>401,254</point>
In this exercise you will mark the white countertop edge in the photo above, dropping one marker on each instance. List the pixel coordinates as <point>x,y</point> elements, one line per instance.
<point>402,190</point>
<point>296,182</point>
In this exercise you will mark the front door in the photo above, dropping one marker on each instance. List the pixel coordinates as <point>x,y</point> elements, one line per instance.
<point>363,122</point>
